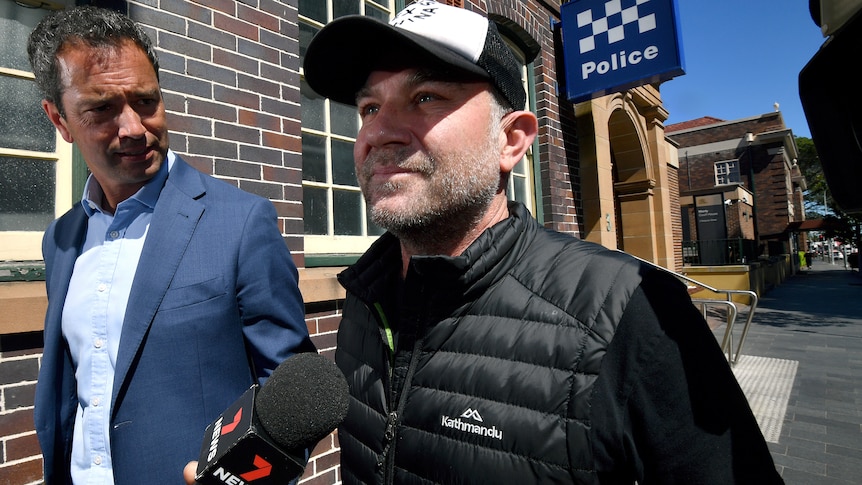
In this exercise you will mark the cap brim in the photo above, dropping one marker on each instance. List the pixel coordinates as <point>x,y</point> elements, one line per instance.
<point>342,55</point>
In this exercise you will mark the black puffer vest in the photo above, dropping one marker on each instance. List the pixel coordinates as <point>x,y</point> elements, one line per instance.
<point>496,353</point>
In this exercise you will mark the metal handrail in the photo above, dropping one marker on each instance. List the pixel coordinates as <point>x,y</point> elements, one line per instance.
<point>732,312</point>
<point>727,341</point>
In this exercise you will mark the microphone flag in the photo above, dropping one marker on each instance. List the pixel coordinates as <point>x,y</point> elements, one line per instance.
<point>238,451</point>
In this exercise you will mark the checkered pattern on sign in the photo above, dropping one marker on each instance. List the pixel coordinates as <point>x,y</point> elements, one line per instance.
<point>613,23</point>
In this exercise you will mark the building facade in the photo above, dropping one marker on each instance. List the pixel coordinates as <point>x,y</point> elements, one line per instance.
<point>239,109</point>
<point>740,189</point>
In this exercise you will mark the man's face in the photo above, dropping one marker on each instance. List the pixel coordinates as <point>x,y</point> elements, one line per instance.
<point>428,151</point>
<point>114,113</point>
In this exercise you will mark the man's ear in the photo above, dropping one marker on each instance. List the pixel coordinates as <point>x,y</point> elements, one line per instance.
<point>57,120</point>
<point>519,129</point>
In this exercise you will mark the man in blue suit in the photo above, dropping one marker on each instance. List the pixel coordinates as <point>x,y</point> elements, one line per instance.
<point>170,292</point>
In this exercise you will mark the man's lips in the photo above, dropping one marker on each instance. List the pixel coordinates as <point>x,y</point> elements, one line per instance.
<point>392,174</point>
<point>135,153</point>
<point>390,170</point>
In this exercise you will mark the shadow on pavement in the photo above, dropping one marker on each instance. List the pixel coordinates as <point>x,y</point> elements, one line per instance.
<point>814,299</point>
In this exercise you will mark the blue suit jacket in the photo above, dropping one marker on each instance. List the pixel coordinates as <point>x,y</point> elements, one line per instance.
<point>214,306</point>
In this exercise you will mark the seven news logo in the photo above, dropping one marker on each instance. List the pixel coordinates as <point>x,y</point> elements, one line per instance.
<point>262,468</point>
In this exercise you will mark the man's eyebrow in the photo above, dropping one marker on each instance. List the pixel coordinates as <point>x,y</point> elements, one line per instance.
<point>419,77</point>
<point>363,92</point>
<point>107,96</point>
<point>148,92</point>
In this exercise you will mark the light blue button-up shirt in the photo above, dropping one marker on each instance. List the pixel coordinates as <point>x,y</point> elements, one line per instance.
<point>93,315</point>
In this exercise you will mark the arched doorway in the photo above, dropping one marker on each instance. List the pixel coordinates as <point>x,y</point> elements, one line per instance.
<point>633,185</point>
<point>628,175</point>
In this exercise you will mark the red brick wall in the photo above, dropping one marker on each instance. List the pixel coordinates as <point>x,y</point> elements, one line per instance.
<point>676,216</point>
<point>697,172</point>
<point>762,124</point>
<point>20,457</point>
<point>230,73</point>
<point>774,193</point>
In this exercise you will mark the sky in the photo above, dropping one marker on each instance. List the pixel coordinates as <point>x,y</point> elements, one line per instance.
<point>740,58</point>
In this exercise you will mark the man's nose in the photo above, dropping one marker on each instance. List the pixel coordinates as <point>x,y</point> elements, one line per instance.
<point>130,123</point>
<point>388,126</point>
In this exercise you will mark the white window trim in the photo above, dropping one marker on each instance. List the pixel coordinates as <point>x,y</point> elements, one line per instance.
<point>726,163</point>
<point>27,245</point>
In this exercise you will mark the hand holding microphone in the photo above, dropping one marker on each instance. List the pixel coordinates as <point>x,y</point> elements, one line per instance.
<point>262,438</point>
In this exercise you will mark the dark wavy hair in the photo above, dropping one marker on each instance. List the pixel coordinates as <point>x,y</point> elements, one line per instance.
<point>87,25</point>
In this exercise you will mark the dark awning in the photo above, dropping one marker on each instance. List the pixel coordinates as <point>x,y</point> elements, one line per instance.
<point>810,225</point>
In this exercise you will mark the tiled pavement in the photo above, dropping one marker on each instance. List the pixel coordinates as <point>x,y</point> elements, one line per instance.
<point>807,334</point>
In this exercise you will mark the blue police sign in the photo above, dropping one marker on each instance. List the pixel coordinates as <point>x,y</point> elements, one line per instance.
<point>612,45</point>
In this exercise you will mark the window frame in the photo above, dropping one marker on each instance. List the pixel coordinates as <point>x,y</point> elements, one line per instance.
<point>322,250</point>
<point>27,245</point>
<point>725,170</point>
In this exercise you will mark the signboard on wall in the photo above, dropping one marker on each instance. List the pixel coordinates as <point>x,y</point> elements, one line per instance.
<point>711,229</point>
<point>613,45</point>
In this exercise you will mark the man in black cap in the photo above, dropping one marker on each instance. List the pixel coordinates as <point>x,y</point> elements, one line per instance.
<point>478,346</point>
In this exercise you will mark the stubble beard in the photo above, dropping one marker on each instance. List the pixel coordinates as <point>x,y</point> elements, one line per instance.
<point>459,188</point>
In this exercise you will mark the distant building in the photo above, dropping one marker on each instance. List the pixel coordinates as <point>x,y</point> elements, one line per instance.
<point>740,189</point>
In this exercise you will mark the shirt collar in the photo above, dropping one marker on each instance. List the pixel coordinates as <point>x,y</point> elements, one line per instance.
<point>147,195</point>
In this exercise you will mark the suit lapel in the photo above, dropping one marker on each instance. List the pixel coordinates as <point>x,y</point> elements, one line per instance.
<point>175,218</point>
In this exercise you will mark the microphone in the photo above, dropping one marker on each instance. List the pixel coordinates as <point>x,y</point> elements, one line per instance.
<point>261,438</point>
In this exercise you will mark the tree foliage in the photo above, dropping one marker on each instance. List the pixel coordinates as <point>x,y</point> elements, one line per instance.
<point>809,165</point>
<point>843,227</point>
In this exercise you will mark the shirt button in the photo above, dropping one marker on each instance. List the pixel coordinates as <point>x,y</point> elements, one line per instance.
<point>97,460</point>
<point>97,343</point>
<point>102,287</point>
<point>97,401</point>
<point>115,234</point>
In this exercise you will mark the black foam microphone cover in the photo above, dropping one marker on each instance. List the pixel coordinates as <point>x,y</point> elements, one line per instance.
<point>303,400</point>
<point>262,438</point>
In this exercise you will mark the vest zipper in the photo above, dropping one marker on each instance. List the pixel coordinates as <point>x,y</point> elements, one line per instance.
<point>388,437</point>
<point>391,432</point>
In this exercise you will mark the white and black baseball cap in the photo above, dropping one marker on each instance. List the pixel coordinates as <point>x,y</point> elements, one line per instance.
<point>451,40</point>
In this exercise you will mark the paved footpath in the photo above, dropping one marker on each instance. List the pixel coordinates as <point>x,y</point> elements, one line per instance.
<point>807,334</point>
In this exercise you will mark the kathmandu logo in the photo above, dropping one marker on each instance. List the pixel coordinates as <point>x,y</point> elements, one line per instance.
<point>460,424</point>
<point>472,414</point>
